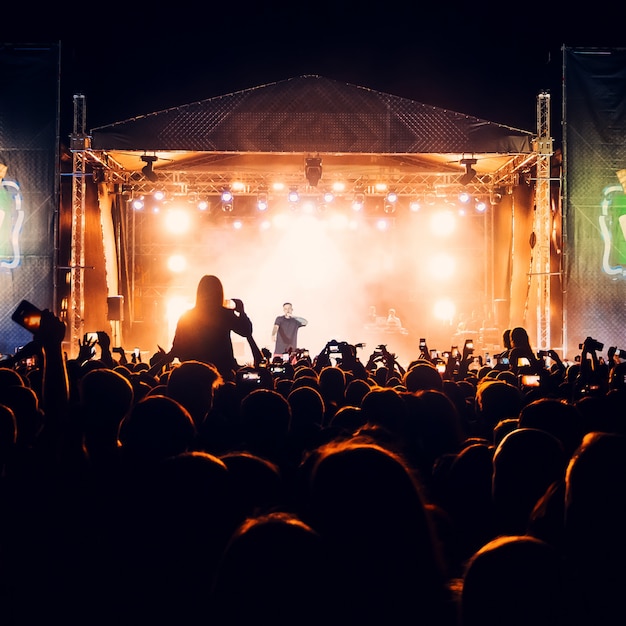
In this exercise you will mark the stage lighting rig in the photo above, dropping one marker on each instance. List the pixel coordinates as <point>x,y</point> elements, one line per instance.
<point>313,171</point>
<point>147,170</point>
<point>470,172</point>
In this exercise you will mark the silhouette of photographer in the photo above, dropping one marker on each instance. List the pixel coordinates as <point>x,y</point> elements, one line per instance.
<point>203,332</point>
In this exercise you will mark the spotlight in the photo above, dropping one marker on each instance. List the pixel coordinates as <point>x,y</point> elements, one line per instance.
<point>313,171</point>
<point>293,196</point>
<point>226,198</point>
<point>470,172</point>
<point>147,170</point>
<point>358,201</point>
<point>261,201</point>
<point>390,208</point>
<point>495,197</point>
<point>392,197</point>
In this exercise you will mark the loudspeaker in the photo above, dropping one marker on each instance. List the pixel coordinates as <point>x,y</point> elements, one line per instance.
<point>115,306</point>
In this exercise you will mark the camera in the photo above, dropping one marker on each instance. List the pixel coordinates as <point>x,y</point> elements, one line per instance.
<point>593,344</point>
<point>27,315</point>
<point>543,353</point>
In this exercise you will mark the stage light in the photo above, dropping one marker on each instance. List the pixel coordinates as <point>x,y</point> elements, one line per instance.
<point>293,196</point>
<point>464,197</point>
<point>313,171</point>
<point>495,197</point>
<point>147,170</point>
<point>138,204</point>
<point>392,197</point>
<point>226,198</point>
<point>358,201</point>
<point>261,201</point>
<point>329,196</point>
<point>226,195</point>
<point>480,205</point>
<point>415,206</point>
<point>470,172</point>
<point>389,207</point>
<point>177,263</point>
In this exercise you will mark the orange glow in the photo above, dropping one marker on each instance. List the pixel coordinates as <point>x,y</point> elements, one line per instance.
<point>441,266</point>
<point>442,223</point>
<point>444,310</point>
<point>177,221</point>
<point>177,263</point>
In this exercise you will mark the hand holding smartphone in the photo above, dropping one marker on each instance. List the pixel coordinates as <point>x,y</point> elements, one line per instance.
<point>27,315</point>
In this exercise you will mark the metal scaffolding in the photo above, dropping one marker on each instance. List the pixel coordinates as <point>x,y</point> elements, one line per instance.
<point>79,144</point>
<point>543,222</point>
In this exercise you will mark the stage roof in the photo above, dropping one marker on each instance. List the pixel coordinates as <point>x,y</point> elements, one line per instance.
<point>362,136</point>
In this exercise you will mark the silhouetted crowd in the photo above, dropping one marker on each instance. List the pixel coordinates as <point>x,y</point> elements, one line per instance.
<point>327,490</point>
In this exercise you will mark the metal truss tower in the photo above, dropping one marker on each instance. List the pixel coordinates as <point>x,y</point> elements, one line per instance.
<point>79,144</point>
<point>543,222</point>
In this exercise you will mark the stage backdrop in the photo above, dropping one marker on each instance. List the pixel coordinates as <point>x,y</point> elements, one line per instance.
<point>594,143</point>
<point>29,76</point>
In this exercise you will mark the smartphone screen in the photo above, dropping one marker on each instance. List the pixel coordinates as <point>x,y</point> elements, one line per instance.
<point>27,315</point>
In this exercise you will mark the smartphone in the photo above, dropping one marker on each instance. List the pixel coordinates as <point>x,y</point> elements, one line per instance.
<point>422,343</point>
<point>27,315</point>
<point>91,337</point>
<point>530,380</point>
<point>136,352</point>
<point>469,343</point>
<point>434,354</point>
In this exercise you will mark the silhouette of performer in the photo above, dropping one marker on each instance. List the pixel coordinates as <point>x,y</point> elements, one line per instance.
<point>285,330</point>
<point>203,332</point>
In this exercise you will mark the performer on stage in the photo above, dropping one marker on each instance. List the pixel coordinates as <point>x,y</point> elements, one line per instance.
<point>285,331</point>
<point>393,321</point>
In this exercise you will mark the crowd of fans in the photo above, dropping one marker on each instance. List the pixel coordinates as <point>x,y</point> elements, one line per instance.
<point>325,490</point>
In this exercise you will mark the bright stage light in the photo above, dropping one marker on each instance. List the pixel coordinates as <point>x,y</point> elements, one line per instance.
<point>177,263</point>
<point>261,201</point>
<point>359,201</point>
<point>175,306</point>
<point>480,206</point>
<point>444,310</point>
<point>138,204</point>
<point>442,223</point>
<point>177,221</point>
<point>382,224</point>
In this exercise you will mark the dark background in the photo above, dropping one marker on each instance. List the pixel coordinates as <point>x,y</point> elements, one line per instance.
<point>488,61</point>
